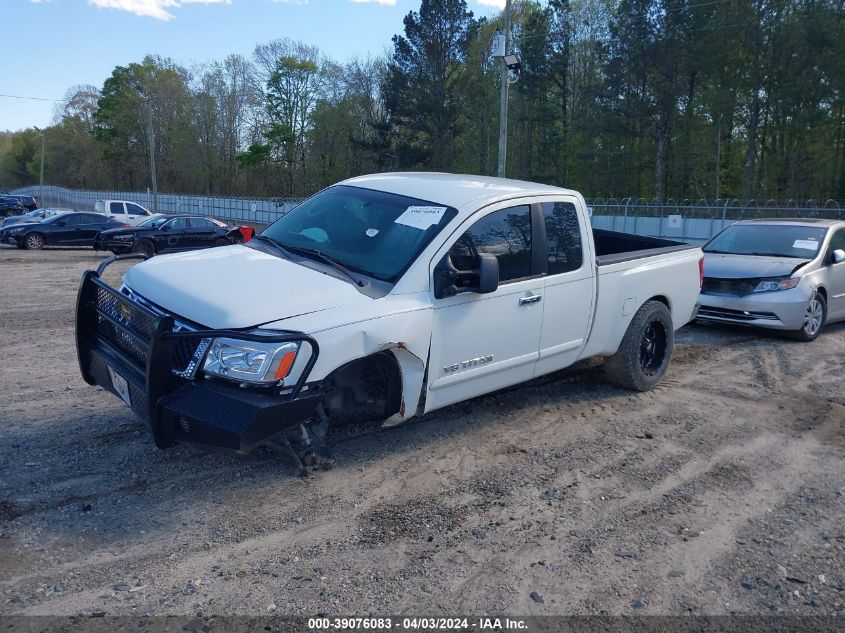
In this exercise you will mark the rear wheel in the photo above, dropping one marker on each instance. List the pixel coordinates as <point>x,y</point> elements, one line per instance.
<point>645,351</point>
<point>145,248</point>
<point>815,316</point>
<point>34,241</point>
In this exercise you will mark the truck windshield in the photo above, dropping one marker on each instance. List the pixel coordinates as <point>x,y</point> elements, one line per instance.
<point>772,240</point>
<point>369,232</point>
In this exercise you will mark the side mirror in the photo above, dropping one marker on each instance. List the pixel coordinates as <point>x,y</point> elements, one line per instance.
<point>483,279</point>
<point>60,223</point>
<point>838,256</point>
<point>488,273</point>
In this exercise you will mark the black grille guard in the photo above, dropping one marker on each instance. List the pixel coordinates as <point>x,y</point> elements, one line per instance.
<point>148,353</point>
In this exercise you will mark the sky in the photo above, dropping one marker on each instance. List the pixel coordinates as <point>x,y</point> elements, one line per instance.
<point>63,43</point>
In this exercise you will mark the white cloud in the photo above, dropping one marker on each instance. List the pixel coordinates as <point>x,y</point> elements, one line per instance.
<point>499,4</point>
<point>390,2</point>
<point>158,9</point>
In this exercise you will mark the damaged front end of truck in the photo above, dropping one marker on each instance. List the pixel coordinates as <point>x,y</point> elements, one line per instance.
<point>153,361</point>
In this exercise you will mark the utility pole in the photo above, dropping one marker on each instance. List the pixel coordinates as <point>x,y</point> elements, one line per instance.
<point>41,178</point>
<point>503,105</point>
<point>152,156</point>
<point>151,136</point>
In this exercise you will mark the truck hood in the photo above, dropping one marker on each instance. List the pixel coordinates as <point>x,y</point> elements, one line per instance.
<point>237,287</point>
<point>749,266</point>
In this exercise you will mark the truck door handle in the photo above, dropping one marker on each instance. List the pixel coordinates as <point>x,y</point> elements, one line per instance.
<point>524,301</point>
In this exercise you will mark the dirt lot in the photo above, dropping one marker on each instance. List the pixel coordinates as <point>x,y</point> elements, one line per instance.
<point>719,492</point>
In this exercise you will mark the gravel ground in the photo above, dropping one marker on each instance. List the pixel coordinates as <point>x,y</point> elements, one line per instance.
<point>719,492</point>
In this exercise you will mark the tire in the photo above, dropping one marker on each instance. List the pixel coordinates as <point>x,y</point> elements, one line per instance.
<point>34,241</point>
<point>145,247</point>
<point>646,349</point>
<point>222,242</point>
<point>815,317</point>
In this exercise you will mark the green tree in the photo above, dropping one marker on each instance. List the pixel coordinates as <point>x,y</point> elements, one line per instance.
<point>420,92</point>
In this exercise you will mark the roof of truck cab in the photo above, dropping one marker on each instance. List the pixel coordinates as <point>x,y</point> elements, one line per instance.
<point>453,190</point>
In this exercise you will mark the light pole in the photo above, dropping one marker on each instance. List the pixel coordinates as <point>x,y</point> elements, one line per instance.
<point>511,65</point>
<point>151,136</point>
<point>41,177</point>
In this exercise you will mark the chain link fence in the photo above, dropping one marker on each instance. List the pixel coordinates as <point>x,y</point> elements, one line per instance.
<point>684,220</point>
<point>698,221</point>
<point>254,211</point>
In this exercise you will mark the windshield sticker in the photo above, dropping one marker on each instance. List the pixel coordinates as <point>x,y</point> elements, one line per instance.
<point>421,217</point>
<point>807,245</point>
<point>371,232</point>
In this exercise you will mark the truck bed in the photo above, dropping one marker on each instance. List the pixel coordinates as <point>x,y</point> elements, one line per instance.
<point>613,247</point>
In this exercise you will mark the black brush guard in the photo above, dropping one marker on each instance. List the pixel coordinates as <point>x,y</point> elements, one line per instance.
<point>159,362</point>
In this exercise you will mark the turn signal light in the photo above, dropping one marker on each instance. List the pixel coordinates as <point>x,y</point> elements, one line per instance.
<point>285,365</point>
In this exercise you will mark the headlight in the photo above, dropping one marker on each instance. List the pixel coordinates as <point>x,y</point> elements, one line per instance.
<point>779,283</point>
<point>246,361</point>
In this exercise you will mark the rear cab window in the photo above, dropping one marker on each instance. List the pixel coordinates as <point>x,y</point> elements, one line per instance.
<point>565,251</point>
<point>116,208</point>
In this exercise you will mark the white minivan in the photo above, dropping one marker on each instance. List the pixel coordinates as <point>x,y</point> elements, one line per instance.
<point>123,211</point>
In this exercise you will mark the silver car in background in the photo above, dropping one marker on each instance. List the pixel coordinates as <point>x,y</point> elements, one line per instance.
<point>782,274</point>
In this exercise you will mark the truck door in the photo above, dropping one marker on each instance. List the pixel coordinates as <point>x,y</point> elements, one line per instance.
<point>483,342</point>
<point>135,214</point>
<point>117,211</point>
<point>569,288</point>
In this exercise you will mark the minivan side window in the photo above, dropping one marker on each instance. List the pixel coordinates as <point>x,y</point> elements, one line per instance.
<point>506,234</point>
<point>134,209</point>
<point>116,208</point>
<point>563,237</point>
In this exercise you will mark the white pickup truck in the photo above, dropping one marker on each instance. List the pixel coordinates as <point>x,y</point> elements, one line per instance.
<point>384,297</point>
<point>123,211</point>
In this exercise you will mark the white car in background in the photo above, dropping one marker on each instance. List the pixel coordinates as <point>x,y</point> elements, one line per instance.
<point>34,216</point>
<point>780,274</point>
<point>124,211</point>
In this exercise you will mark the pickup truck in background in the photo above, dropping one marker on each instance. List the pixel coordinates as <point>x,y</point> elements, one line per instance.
<point>124,211</point>
<point>382,297</point>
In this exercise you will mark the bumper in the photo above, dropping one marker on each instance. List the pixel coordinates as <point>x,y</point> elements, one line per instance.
<point>783,310</point>
<point>115,246</point>
<point>7,237</point>
<point>131,351</point>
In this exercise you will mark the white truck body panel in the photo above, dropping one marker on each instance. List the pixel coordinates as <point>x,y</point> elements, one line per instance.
<point>467,344</point>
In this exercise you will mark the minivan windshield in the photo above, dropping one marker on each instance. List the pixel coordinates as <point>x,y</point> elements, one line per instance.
<point>772,240</point>
<point>369,232</point>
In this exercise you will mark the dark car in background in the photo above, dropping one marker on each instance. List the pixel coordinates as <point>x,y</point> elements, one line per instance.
<point>168,234</point>
<point>67,229</point>
<point>10,205</point>
<point>29,203</point>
